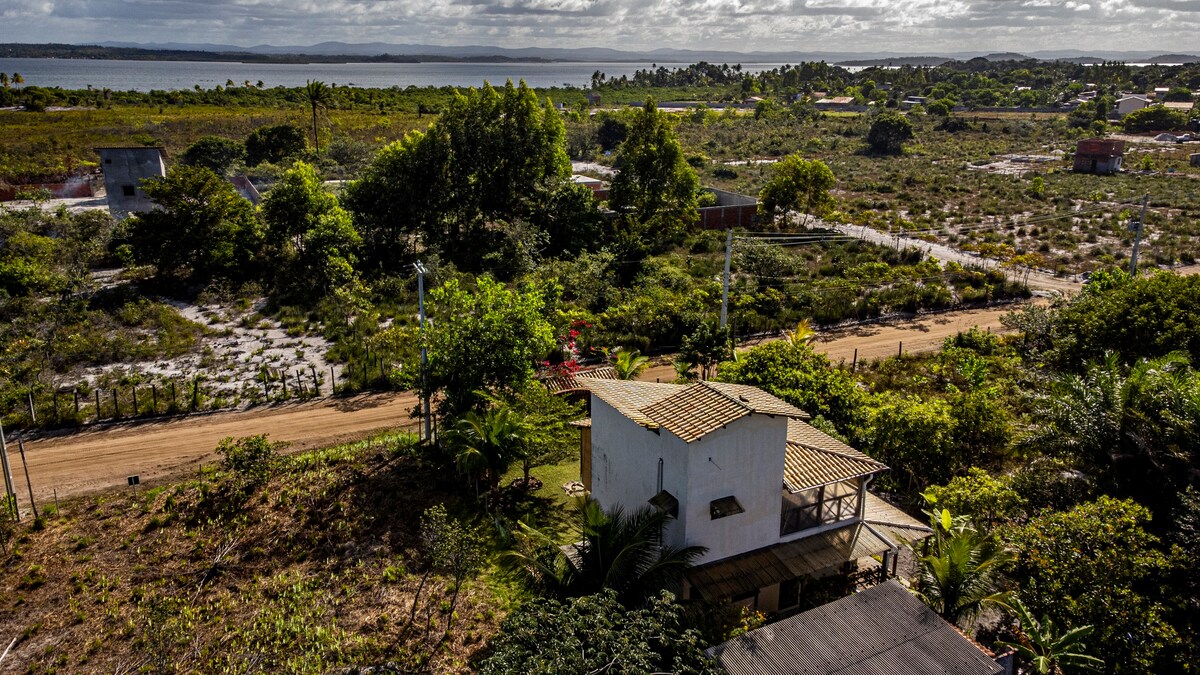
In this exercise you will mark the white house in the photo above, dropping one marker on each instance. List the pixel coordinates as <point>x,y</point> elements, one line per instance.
<point>775,501</point>
<point>1130,103</point>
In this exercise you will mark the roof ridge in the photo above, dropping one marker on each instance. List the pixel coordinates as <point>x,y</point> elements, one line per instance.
<point>861,456</point>
<point>741,401</point>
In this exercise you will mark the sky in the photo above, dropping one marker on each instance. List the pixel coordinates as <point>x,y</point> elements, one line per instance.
<point>902,26</point>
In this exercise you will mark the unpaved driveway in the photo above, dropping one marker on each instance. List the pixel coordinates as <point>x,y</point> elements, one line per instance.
<point>100,459</point>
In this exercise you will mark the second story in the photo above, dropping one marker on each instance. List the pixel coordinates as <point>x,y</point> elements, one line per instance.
<point>738,468</point>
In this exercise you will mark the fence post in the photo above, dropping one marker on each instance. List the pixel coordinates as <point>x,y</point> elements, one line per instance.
<point>32,412</point>
<point>154,393</point>
<point>97,390</point>
<point>57,416</point>
<point>195,392</point>
<point>900,349</point>
<point>382,374</point>
<point>116,405</point>
<point>283,381</point>
<point>299,385</point>
<point>266,387</point>
<point>854,363</point>
<point>135,405</point>
<point>76,394</point>
<point>332,382</point>
<point>316,384</point>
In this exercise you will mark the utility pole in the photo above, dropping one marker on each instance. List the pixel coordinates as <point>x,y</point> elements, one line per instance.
<point>725,280</point>
<point>1137,229</point>
<point>8,481</point>
<point>424,351</point>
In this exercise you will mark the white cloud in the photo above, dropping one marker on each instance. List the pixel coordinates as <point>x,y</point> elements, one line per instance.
<point>909,26</point>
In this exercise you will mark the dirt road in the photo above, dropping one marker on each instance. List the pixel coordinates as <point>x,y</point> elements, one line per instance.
<point>883,340</point>
<point>100,459</point>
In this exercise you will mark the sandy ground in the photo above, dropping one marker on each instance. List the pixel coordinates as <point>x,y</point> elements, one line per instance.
<point>879,341</point>
<point>101,459</point>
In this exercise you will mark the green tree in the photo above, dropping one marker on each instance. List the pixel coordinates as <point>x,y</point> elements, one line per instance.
<point>629,363</point>
<point>1096,565</point>
<point>654,192</point>
<point>1048,652</point>
<point>914,435</point>
<point>959,575</point>
<point>988,501</point>
<point>274,144</point>
<point>316,95</point>
<point>1155,118</point>
<point>617,550</point>
<point>595,634</point>
<point>214,153</point>
<point>202,229</point>
<point>549,438</point>
<point>493,159</point>
<point>249,460</point>
<point>486,341</point>
<point>707,347</point>
<point>1132,428</point>
<point>889,130</point>
<point>802,377</point>
<point>800,185</point>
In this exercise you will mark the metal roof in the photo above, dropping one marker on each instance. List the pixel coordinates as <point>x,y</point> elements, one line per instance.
<point>807,556</point>
<point>883,630</point>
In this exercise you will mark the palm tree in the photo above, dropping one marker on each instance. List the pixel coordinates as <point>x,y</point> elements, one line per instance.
<point>616,550</point>
<point>629,363</point>
<point>958,577</point>
<point>4,81</point>
<point>1039,644</point>
<point>316,94</point>
<point>488,442</point>
<point>17,79</point>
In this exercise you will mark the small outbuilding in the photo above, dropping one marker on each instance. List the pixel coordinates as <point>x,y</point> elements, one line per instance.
<point>882,630</point>
<point>1195,158</point>
<point>1128,104</point>
<point>1099,156</point>
<point>124,170</point>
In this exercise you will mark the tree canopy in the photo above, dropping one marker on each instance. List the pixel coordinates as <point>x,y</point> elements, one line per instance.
<point>797,184</point>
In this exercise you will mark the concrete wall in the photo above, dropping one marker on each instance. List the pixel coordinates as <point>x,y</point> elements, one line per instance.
<point>124,170</point>
<point>744,460</point>
<point>624,465</point>
<point>732,210</point>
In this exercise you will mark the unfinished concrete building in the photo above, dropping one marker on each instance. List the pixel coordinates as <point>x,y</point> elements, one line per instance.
<point>124,171</point>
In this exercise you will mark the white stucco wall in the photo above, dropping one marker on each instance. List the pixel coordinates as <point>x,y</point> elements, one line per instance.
<point>625,464</point>
<point>747,460</point>
<point>744,460</point>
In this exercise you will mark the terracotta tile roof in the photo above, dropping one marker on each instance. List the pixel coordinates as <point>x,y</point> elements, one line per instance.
<point>696,411</point>
<point>762,402</point>
<point>578,381</point>
<point>630,396</point>
<point>815,458</point>
<point>704,407</point>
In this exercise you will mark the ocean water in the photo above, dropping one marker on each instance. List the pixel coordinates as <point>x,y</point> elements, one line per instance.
<point>166,75</point>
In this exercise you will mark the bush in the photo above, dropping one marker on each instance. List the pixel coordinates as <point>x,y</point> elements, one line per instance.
<point>249,459</point>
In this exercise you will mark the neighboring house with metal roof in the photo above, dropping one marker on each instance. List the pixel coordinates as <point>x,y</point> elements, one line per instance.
<point>883,630</point>
<point>773,499</point>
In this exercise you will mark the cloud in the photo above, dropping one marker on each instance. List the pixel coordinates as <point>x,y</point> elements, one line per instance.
<point>908,26</point>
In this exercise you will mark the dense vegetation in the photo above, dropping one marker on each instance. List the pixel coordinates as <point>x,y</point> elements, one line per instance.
<point>1058,466</point>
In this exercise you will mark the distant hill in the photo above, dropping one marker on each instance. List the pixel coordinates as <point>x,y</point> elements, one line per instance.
<point>896,61</point>
<point>96,52</point>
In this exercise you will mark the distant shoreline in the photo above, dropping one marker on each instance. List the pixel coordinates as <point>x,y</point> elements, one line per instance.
<point>95,53</point>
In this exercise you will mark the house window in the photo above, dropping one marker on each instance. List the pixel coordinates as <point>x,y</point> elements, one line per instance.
<point>789,593</point>
<point>127,190</point>
<point>725,506</point>
<point>819,506</point>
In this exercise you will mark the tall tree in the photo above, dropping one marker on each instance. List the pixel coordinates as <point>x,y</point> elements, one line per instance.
<point>486,340</point>
<point>799,185</point>
<point>202,229</point>
<point>655,190</point>
<point>888,132</point>
<point>317,95</point>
